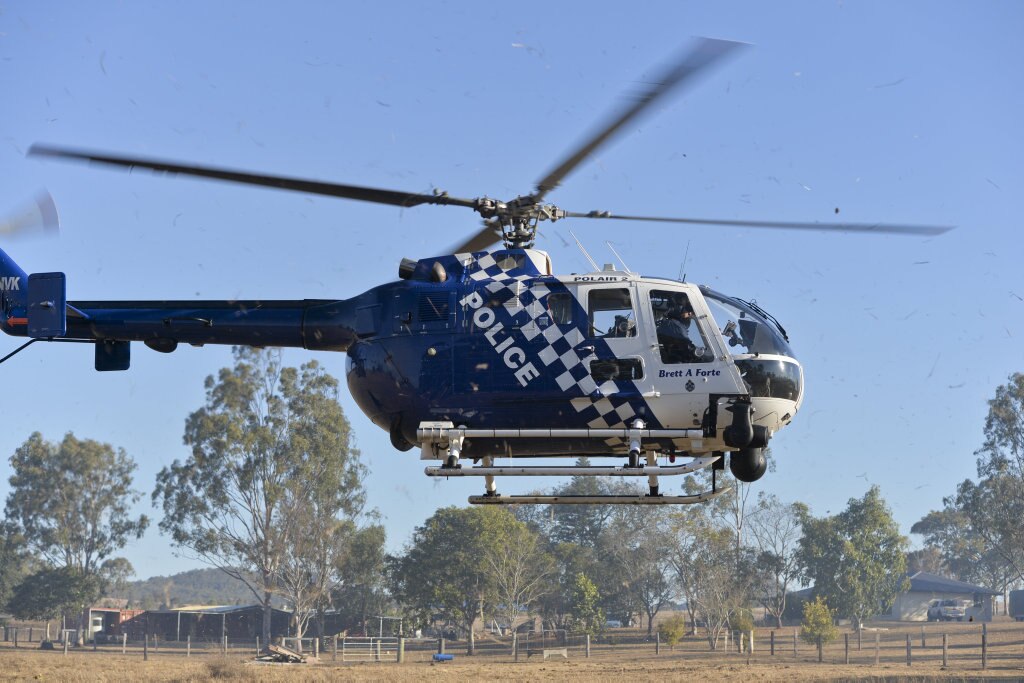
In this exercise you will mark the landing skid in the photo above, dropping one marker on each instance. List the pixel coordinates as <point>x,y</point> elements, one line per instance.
<point>640,499</point>
<point>442,440</point>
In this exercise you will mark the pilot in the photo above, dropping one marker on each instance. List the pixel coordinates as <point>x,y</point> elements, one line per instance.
<point>674,335</point>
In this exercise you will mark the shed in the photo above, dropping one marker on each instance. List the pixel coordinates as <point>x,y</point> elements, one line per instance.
<point>209,623</point>
<point>925,587</point>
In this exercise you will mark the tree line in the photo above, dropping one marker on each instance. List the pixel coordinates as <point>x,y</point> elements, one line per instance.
<point>272,494</point>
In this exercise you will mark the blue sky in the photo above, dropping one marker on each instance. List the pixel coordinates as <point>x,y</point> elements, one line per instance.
<point>897,112</point>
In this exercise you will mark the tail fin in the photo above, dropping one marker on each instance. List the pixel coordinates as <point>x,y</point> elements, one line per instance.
<point>13,286</point>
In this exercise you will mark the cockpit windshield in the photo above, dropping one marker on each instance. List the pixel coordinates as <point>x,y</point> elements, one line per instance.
<point>746,328</point>
<point>754,337</point>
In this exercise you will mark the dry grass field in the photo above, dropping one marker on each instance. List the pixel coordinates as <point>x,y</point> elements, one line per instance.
<point>1005,659</point>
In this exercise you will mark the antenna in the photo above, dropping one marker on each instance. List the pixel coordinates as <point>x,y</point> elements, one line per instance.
<point>682,266</point>
<point>593,264</point>
<point>624,266</point>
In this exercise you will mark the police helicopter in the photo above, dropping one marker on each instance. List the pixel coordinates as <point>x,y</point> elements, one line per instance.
<point>481,354</point>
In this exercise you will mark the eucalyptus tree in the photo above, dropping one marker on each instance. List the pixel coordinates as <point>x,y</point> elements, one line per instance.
<point>272,472</point>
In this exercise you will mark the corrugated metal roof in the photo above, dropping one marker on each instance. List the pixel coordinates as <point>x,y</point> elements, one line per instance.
<point>925,582</point>
<point>214,609</point>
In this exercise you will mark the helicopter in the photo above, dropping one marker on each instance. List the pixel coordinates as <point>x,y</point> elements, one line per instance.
<point>485,353</point>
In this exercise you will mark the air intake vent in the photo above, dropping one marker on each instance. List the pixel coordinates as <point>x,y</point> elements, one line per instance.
<point>433,307</point>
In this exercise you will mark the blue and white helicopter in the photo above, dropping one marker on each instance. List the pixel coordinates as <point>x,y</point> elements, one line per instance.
<point>483,354</point>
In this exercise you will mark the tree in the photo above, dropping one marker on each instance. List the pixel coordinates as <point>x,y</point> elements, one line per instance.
<point>994,505</point>
<point>13,561</point>
<point>72,501</point>
<point>579,524</point>
<point>818,626</point>
<point>519,569</point>
<point>776,532</point>
<point>706,566</point>
<point>964,552</point>
<point>114,575</point>
<point>268,439</point>
<point>570,559</point>
<point>637,546</point>
<point>443,570</point>
<point>50,592</point>
<point>584,606</point>
<point>856,559</point>
<point>359,588</point>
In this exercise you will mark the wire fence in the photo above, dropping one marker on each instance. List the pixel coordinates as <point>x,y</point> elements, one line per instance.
<point>997,645</point>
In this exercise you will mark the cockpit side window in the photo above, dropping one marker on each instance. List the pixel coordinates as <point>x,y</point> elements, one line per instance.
<point>679,337</point>
<point>611,313</point>
<point>560,306</point>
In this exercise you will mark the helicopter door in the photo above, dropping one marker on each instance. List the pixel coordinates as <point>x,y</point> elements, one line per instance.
<point>684,356</point>
<point>613,336</point>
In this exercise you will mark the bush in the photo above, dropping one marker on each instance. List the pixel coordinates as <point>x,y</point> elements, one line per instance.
<point>672,629</point>
<point>818,627</point>
<point>742,621</point>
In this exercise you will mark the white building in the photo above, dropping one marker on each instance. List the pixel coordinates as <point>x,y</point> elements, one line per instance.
<point>925,587</point>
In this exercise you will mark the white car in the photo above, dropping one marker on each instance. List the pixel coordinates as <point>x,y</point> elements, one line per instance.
<point>949,609</point>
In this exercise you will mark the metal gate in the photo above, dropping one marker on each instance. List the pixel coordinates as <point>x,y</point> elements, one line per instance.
<point>369,649</point>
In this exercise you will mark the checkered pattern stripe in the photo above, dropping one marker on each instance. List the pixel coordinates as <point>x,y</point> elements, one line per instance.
<point>524,301</point>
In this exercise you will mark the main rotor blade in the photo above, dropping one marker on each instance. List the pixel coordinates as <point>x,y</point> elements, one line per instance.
<point>366,194</point>
<point>706,52</point>
<point>489,234</point>
<point>890,228</point>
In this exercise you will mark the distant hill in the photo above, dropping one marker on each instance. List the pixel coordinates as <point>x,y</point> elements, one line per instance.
<point>194,587</point>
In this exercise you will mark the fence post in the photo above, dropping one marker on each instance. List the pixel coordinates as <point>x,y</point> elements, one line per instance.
<point>846,648</point>
<point>65,647</point>
<point>923,643</point>
<point>773,642</point>
<point>334,650</point>
<point>984,646</point>
<point>378,649</point>
<point>588,646</point>
<point>401,649</point>
<point>16,637</point>
<point>945,646</point>
<point>750,641</point>
<point>876,648</point>
<point>908,649</point>
<point>224,647</point>
<point>30,630</point>
<point>657,643</point>
<point>188,645</point>
<point>440,645</point>
<point>316,647</point>
<point>124,642</point>
<point>145,648</point>
<point>515,646</point>
<point>257,646</point>
<point>860,632</point>
<point>794,642</point>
